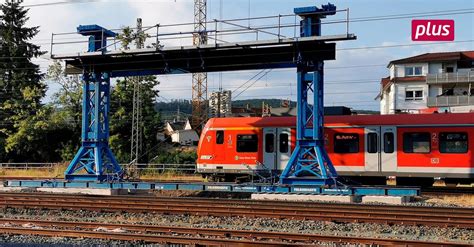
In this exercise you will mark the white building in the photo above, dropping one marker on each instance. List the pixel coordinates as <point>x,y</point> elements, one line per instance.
<point>431,82</point>
<point>220,104</point>
<point>181,132</point>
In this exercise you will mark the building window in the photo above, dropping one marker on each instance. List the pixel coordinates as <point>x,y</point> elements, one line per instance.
<point>284,143</point>
<point>219,137</point>
<point>269,143</point>
<point>346,143</point>
<point>247,143</point>
<point>453,142</point>
<point>414,94</point>
<point>419,142</point>
<point>449,69</point>
<point>413,70</point>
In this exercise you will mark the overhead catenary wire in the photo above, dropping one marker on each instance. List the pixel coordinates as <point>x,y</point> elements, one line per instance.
<point>354,19</point>
<point>373,18</point>
<point>251,84</point>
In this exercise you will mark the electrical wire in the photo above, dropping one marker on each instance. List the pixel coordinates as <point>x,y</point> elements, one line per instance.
<point>360,19</point>
<point>340,49</point>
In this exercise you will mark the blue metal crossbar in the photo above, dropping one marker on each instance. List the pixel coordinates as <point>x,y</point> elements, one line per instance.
<point>97,36</point>
<point>222,187</point>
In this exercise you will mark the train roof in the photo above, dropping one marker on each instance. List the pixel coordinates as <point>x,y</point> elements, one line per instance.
<point>401,119</point>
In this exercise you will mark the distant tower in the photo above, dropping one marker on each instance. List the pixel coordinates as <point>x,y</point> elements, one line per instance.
<point>220,104</point>
<point>137,123</point>
<point>199,84</point>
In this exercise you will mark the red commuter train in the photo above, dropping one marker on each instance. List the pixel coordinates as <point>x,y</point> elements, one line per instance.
<point>413,145</point>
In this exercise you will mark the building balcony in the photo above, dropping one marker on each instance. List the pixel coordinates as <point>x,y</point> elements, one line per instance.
<point>447,101</point>
<point>442,78</point>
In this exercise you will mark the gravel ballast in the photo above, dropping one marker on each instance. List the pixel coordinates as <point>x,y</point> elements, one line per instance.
<point>422,233</point>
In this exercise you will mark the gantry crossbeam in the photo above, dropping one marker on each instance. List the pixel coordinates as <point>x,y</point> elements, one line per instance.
<point>205,58</point>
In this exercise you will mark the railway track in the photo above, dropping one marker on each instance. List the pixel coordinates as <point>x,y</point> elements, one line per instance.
<point>183,235</point>
<point>344,213</point>
<point>451,191</point>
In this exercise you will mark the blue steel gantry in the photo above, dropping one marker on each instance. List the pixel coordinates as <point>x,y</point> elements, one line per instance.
<point>309,164</point>
<point>95,160</point>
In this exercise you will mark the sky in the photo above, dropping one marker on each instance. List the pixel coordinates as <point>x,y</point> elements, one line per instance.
<point>352,79</point>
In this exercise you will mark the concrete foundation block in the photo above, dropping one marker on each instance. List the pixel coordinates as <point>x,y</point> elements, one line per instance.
<point>306,197</point>
<point>397,200</point>
<point>85,191</point>
<point>13,189</point>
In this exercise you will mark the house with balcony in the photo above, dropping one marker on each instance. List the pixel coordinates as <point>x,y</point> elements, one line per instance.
<point>427,83</point>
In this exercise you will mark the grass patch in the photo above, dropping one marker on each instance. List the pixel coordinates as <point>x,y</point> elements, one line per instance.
<point>170,175</point>
<point>57,171</point>
<point>462,200</point>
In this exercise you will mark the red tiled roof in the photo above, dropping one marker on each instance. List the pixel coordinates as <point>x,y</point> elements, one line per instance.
<point>468,54</point>
<point>385,81</point>
<point>409,78</point>
<point>436,57</point>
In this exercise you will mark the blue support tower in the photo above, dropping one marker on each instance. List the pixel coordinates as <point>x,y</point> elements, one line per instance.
<point>310,164</point>
<point>94,160</point>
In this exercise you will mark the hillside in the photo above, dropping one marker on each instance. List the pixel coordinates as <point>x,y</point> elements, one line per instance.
<point>169,109</point>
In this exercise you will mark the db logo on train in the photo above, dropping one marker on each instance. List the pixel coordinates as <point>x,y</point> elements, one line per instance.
<point>432,30</point>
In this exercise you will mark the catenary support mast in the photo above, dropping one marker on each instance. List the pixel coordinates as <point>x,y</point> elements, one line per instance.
<point>137,118</point>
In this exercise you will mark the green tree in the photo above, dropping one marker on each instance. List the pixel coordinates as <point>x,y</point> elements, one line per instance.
<point>66,118</point>
<point>122,109</point>
<point>21,88</point>
<point>121,117</point>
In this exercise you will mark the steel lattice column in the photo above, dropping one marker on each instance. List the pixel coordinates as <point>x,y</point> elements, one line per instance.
<point>309,163</point>
<point>199,81</point>
<point>94,160</point>
<point>137,119</point>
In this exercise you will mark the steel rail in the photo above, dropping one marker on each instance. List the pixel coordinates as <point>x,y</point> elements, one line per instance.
<point>464,219</point>
<point>342,217</point>
<point>151,200</point>
<point>217,235</point>
<point>320,209</point>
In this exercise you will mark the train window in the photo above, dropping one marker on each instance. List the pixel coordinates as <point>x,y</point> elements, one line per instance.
<point>284,143</point>
<point>219,137</point>
<point>247,143</point>
<point>372,143</point>
<point>346,143</point>
<point>453,142</point>
<point>419,142</point>
<point>388,143</point>
<point>269,143</point>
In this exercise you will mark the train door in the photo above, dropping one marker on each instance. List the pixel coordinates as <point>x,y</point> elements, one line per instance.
<point>284,148</point>
<point>389,149</point>
<point>219,148</point>
<point>269,148</point>
<point>372,147</point>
